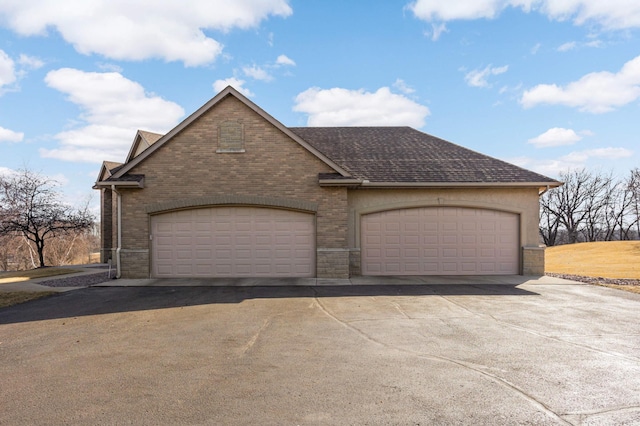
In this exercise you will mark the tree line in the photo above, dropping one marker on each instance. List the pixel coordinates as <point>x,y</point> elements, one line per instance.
<point>591,206</point>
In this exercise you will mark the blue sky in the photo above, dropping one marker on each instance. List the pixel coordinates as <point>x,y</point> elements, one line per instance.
<point>546,84</point>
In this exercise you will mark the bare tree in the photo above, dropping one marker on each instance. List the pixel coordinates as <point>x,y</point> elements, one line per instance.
<point>599,206</point>
<point>632,188</point>
<point>549,221</point>
<point>31,207</point>
<point>567,202</point>
<point>591,206</point>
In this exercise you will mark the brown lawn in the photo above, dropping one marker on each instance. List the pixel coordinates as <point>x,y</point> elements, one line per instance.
<point>15,297</point>
<point>614,260</point>
<point>8,298</point>
<point>12,277</point>
<point>608,259</point>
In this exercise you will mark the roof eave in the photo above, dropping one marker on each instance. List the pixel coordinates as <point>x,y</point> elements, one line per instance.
<point>368,184</point>
<point>119,184</point>
<point>339,182</point>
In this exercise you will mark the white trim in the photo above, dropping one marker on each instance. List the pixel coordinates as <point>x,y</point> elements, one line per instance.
<point>416,204</point>
<point>368,184</point>
<point>121,184</point>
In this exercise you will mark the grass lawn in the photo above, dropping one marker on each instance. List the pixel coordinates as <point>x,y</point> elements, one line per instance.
<point>15,297</point>
<point>14,277</point>
<point>9,298</point>
<point>607,259</point>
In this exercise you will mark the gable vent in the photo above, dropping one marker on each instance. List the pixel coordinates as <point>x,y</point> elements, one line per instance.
<point>230,137</point>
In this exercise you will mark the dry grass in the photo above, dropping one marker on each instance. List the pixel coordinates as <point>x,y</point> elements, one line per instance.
<point>608,259</point>
<point>13,277</point>
<point>15,297</point>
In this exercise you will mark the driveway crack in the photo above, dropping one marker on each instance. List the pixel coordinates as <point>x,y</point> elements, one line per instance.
<point>581,416</point>
<point>496,379</point>
<point>545,336</point>
<point>252,341</point>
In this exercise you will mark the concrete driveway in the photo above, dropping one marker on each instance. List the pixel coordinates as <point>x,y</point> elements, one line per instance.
<point>543,351</point>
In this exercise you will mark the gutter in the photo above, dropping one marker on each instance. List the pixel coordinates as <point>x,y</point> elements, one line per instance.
<point>367,184</point>
<point>340,182</point>
<point>121,183</point>
<point>119,243</point>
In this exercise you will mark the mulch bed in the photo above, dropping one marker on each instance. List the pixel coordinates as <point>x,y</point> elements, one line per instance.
<point>598,280</point>
<point>80,280</point>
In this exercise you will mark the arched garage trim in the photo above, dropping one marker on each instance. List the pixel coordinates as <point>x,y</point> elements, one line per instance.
<point>409,204</point>
<point>232,240</point>
<point>230,200</point>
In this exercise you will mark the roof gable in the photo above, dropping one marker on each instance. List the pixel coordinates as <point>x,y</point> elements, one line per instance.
<point>107,169</point>
<point>228,91</point>
<point>141,142</point>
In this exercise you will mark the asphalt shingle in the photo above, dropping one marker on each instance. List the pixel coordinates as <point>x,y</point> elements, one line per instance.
<point>404,154</point>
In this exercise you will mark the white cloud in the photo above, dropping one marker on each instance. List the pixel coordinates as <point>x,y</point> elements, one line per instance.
<point>437,30</point>
<point>479,78</point>
<point>597,92</point>
<point>436,10</point>
<point>556,136</point>
<point>565,47</point>
<point>220,85</point>
<point>257,73</point>
<point>285,60</point>
<point>124,30</point>
<point>7,172</point>
<point>113,108</point>
<point>7,69</point>
<point>110,67</point>
<point>30,62</point>
<point>608,153</point>
<point>573,160</point>
<point>7,135</point>
<point>535,48</point>
<point>571,45</point>
<point>343,107</point>
<point>594,43</point>
<point>403,87</point>
<point>613,14</point>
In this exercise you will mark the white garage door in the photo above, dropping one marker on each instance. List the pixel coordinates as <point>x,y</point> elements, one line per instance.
<point>440,241</point>
<point>233,242</point>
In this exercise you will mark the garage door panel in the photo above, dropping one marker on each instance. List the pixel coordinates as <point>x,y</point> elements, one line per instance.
<point>449,239</point>
<point>440,241</point>
<point>233,241</point>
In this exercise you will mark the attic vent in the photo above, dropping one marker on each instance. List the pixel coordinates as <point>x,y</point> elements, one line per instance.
<point>230,137</point>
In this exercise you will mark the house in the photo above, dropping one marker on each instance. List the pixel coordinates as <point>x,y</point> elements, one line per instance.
<point>232,192</point>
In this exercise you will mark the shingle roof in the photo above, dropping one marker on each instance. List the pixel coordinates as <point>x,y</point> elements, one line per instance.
<point>404,155</point>
<point>111,165</point>
<point>128,177</point>
<point>150,137</point>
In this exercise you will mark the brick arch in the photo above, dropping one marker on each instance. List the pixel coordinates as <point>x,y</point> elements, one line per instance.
<point>228,200</point>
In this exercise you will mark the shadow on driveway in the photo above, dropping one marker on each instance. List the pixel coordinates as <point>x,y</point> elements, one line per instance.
<point>108,300</point>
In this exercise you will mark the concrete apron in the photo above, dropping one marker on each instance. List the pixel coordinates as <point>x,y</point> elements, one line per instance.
<point>312,282</point>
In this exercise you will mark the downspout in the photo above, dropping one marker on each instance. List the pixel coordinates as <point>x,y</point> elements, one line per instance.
<point>119,243</point>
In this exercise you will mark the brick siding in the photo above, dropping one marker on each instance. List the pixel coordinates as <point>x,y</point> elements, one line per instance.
<point>533,260</point>
<point>273,165</point>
